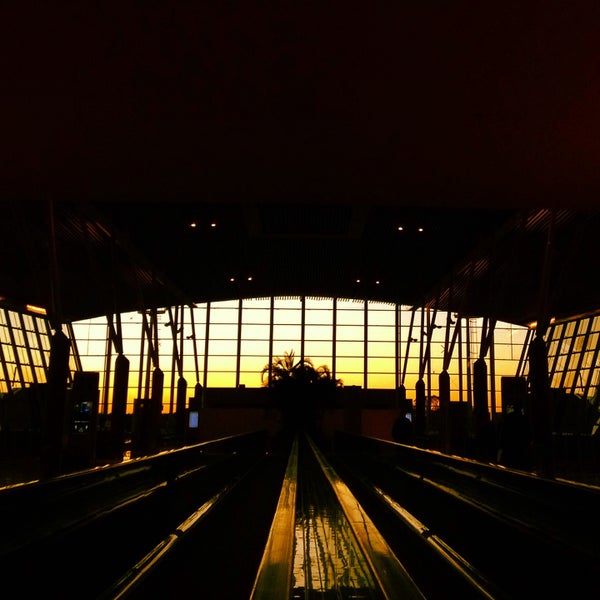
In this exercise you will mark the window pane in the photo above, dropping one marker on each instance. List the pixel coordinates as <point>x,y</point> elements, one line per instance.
<point>255,332</point>
<point>287,332</point>
<point>382,317</point>
<point>350,349</point>
<point>351,378</point>
<point>381,349</point>
<point>381,380</point>
<point>255,348</point>
<point>313,349</point>
<point>350,333</point>
<point>318,332</point>
<point>348,365</point>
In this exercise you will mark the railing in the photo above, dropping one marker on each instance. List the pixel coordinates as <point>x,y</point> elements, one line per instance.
<point>33,511</point>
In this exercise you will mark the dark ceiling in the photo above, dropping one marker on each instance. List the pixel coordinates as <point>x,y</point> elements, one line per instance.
<point>308,135</point>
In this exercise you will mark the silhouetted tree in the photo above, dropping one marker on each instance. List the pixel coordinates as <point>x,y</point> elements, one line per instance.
<point>299,389</point>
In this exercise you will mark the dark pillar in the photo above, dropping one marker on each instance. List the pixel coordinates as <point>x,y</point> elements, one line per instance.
<point>541,434</point>
<point>198,391</point>
<point>401,398</point>
<point>155,410</point>
<point>53,432</point>
<point>481,415</point>
<point>119,404</point>
<point>420,408</point>
<point>444,385</point>
<point>180,420</point>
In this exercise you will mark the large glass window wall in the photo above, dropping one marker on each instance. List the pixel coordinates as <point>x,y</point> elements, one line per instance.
<point>227,344</point>
<point>366,344</point>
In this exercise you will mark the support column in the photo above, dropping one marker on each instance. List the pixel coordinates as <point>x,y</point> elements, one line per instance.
<point>401,398</point>
<point>156,399</point>
<point>480,408</point>
<point>119,404</point>
<point>180,421</point>
<point>53,432</point>
<point>420,408</point>
<point>541,431</point>
<point>444,386</point>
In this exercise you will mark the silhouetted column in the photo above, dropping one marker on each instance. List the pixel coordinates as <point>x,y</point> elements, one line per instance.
<point>181,400</point>
<point>541,433</point>
<point>481,414</point>
<point>155,410</point>
<point>444,386</point>
<point>198,391</point>
<point>53,431</point>
<point>420,408</point>
<point>119,403</point>
<point>401,397</point>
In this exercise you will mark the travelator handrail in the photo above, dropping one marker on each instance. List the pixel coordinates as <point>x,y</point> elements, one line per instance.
<point>274,576</point>
<point>34,510</point>
<point>572,496</point>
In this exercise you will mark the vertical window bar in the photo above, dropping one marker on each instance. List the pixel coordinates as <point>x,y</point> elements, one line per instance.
<point>398,341</point>
<point>408,343</point>
<point>302,327</point>
<point>563,375</point>
<point>366,345</point>
<point>421,339</point>
<point>524,352</point>
<point>195,343</point>
<point>74,348</point>
<point>28,348</point>
<point>468,346</point>
<point>181,322</point>
<point>38,335</point>
<point>271,321</point>
<point>174,354</point>
<point>239,345</point>
<point>460,359</point>
<point>334,339</point>
<point>107,370</point>
<point>558,353</point>
<point>593,368</point>
<point>492,375</point>
<point>582,356</point>
<point>206,338</point>
<point>5,368</point>
<point>11,335</point>
<point>142,353</point>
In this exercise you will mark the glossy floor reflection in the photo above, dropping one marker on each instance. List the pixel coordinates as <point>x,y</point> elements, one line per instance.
<point>328,562</point>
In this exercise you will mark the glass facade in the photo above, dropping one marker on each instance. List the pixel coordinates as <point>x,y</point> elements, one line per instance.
<point>25,338</point>
<point>227,344</point>
<point>371,345</point>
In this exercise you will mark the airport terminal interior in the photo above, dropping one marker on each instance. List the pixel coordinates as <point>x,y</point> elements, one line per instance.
<point>378,231</point>
<point>404,309</point>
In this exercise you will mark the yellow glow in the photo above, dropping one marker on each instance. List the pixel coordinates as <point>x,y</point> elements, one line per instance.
<point>35,309</point>
<point>534,324</point>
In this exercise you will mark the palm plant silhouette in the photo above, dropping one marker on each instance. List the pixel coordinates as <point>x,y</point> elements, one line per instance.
<point>299,388</point>
<point>287,371</point>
